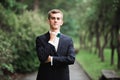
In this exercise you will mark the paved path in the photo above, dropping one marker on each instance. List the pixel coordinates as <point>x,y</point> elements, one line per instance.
<point>76,73</point>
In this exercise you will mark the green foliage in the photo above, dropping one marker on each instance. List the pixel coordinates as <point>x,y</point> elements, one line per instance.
<point>9,67</point>
<point>6,55</point>
<point>24,47</point>
<point>13,5</point>
<point>18,33</point>
<point>69,28</point>
<point>92,64</point>
<point>24,41</point>
<point>34,21</point>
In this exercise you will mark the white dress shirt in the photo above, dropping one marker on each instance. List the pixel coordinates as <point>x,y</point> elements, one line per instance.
<point>55,44</point>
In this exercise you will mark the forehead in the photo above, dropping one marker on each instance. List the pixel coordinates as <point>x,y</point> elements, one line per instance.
<point>56,15</point>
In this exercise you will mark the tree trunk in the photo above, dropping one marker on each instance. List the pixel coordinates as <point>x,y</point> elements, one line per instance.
<point>117,17</point>
<point>101,54</point>
<point>117,22</point>
<point>112,55</point>
<point>36,5</point>
<point>118,51</point>
<point>97,38</point>
<point>22,1</point>
<point>98,45</point>
<point>112,45</point>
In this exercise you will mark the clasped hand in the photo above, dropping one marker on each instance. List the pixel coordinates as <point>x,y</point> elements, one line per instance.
<point>48,60</point>
<point>52,37</point>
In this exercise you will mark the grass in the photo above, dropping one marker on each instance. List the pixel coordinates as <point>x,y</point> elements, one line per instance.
<point>92,64</point>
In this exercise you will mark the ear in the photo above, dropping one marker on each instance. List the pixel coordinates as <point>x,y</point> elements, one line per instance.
<point>48,21</point>
<point>62,22</point>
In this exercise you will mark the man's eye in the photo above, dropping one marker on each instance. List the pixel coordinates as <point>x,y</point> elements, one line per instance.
<point>52,17</point>
<point>58,18</point>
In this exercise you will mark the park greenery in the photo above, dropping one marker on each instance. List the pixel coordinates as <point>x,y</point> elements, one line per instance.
<point>93,65</point>
<point>94,26</point>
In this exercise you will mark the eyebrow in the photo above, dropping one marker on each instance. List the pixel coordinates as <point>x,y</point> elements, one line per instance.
<point>56,17</point>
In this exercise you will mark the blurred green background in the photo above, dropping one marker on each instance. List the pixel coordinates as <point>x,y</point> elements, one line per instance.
<point>94,26</point>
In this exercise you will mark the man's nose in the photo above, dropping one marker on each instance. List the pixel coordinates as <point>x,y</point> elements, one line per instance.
<point>56,19</point>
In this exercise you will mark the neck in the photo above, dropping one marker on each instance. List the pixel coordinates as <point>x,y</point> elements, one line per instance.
<point>55,30</point>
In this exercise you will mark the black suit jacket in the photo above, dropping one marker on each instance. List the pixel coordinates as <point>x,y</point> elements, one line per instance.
<point>64,56</point>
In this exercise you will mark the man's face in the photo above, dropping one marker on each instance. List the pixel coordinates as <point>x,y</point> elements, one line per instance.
<point>55,21</point>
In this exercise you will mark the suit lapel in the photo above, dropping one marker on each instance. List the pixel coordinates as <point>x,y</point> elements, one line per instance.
<point>60,43</point>
<point>47,35</point>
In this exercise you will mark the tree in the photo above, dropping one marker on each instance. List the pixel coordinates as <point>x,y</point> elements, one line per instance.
<point>36,5</point>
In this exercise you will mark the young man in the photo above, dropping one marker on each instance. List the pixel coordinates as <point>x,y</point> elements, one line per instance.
<point>55,50</point>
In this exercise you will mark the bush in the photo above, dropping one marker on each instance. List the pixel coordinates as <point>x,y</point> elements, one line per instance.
<point>24,41</point>
<point>6,55</point>
<point>17,49</point>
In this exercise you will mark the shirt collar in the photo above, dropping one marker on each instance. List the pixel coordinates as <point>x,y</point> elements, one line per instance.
<point>54,32</point>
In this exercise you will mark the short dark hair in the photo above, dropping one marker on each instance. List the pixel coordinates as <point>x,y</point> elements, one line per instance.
<point>54,11</point>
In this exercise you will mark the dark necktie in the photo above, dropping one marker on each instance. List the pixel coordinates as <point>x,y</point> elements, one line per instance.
<point>58,35</point>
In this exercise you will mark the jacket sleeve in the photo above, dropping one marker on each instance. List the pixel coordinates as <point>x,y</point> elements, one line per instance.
<point>67,59</point>
<point>43,49</point>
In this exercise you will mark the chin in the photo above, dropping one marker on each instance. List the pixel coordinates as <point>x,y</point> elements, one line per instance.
<point>56,27</point>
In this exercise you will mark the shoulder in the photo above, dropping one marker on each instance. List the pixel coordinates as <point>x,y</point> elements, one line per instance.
<point>66,37</point>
